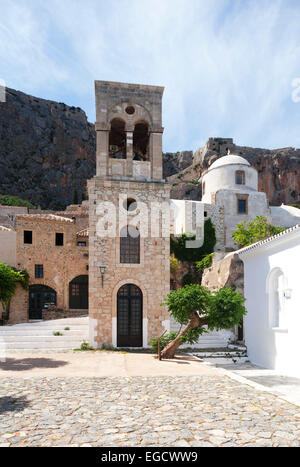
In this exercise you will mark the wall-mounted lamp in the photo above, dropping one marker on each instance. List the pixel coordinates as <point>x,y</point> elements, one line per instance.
<point>102,271</point>
<point>287,293</point>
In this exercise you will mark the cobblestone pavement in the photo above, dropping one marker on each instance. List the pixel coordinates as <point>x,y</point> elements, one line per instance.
<point>155,411</point>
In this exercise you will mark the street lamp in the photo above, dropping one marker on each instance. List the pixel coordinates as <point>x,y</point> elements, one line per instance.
<point>102,271</point>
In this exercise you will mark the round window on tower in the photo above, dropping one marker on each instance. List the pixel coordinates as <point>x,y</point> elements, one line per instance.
<point>130,110</point>
<point>130,204</point>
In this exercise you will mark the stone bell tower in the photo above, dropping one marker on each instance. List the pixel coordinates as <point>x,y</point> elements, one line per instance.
<point>129,202</point>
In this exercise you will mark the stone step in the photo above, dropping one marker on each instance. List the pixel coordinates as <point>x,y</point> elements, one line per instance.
<point>44,338</point>
<point>227,357</point>
<point>41,331</point>
<point>70,345</point>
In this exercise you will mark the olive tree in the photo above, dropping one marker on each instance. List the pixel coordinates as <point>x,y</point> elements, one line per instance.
<point>198,310</point>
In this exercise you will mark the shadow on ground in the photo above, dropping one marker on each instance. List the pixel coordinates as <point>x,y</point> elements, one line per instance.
<point>13,404</point>
<point>24,364</point>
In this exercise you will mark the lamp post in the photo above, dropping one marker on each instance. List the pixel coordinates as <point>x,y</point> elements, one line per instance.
<point>102,271</point>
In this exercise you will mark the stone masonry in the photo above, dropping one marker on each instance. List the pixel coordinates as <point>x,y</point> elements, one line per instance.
<point>116,181</point>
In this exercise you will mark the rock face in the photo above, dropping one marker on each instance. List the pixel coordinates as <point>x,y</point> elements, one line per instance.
<point>229,272</point>
<point>46,150</point>
<point>278,170</point>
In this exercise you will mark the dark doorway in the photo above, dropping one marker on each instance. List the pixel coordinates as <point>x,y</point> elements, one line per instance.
<point>78,293</point>
<point>129,316</point>
<point>39,297</point>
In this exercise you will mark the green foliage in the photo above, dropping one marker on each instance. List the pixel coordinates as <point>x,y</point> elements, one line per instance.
<point>9,279</point>
<point>174,264</point>
<point>222,309</point>
<point>163,341</point>
<point>254,231</point>
<point>67,329</point>
<point>57,333</point>
<point>75,197</point>
<point>7,200</point>
<point>294,206</point>
<point>205,263</point>
<point>85,346</point>
<point>178,244</point>
<point>183,302</point>
<point>226,309</point>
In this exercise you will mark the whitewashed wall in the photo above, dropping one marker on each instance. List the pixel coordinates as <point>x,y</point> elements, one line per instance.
<point>268,346</point>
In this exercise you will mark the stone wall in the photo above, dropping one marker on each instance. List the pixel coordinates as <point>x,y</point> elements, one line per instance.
<point>56,313</point>
<point>151,275</point>
<point>61,264</point>
<point>18,311</point>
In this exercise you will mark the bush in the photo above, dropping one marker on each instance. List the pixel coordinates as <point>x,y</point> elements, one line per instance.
<point>7,200</point>
<point>205,263</point>
<point>163,341</point>
<point>178,244</point>
<point>254,231</point>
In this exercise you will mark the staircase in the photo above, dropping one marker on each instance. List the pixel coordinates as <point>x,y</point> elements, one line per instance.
<point>39,335</point>
<point>232,355</point>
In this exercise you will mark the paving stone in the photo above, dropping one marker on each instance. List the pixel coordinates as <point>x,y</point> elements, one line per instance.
<point>201,411</point>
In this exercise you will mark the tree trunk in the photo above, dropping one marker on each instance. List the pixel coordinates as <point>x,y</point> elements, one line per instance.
<point>170,349</point>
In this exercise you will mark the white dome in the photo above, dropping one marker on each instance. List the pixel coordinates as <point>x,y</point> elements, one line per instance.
<point>229,160</point>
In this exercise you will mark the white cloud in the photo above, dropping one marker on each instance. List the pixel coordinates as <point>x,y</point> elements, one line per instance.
<point>227,65</point>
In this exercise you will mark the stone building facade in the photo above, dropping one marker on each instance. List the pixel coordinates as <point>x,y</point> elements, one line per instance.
<point>129,275</point>
<point>55,254</point>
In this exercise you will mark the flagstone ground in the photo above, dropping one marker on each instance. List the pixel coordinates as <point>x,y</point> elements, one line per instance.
<point>206,409</point>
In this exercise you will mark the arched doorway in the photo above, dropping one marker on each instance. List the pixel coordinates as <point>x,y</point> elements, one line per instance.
<point>129,316</point>
<point>39,297</point>
<point>78,293</point>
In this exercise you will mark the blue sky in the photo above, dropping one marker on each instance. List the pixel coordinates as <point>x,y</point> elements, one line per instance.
<point>227,65</point>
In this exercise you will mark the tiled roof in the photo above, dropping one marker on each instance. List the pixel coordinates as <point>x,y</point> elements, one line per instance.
<point>83,233</point>
<point>269,240</point>
<point>48,217</point>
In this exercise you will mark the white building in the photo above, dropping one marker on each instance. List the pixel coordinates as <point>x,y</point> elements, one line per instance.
<point>232,183</point>
<point>272,292</point>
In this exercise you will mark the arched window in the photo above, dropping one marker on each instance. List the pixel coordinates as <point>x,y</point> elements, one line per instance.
<point>130,245</point>
<point>203,188</point>
<point>240,177</point>
<point>117,139</point>
<point>141,142</point>
<point>275,288</point>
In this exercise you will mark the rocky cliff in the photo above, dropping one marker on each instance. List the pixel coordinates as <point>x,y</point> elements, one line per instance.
<point>47,149</point>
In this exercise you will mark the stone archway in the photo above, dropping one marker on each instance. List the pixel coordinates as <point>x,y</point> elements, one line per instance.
<point>39,297</point>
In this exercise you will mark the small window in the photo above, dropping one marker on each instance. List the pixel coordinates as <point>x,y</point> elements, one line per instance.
<point>240,177</point>
<point>130,204</point>
<point>242,206</point>
<point>81,243</point>
<point>59,239</point>
<point>205,213</point>
<point>39,271</point>
<point>28,236</point>
<point>203,188</point>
